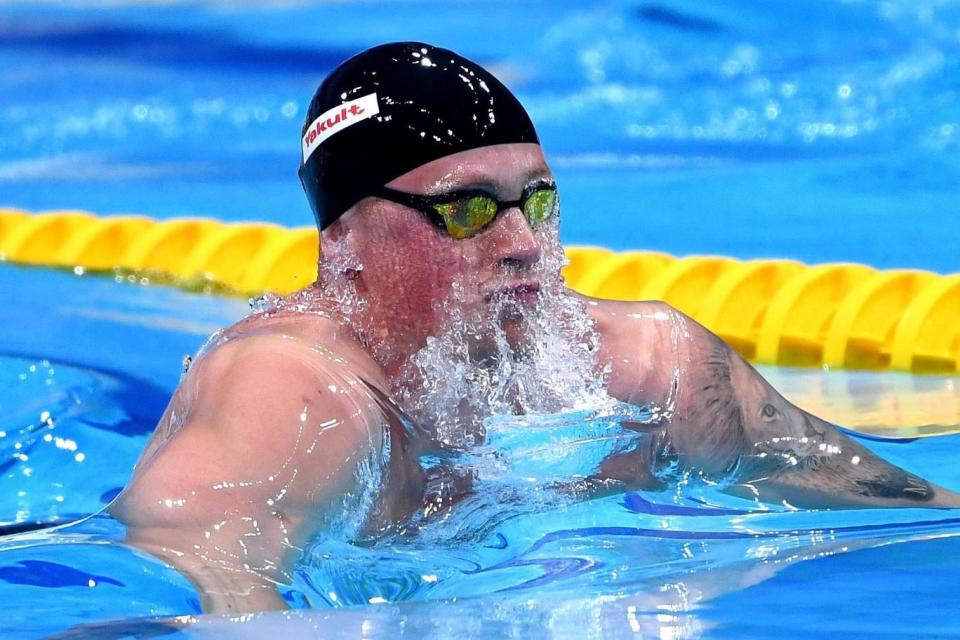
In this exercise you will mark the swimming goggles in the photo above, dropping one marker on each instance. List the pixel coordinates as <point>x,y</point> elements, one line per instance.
<point>463,214</point>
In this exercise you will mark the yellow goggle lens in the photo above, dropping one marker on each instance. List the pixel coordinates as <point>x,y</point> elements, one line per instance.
<point>540,206</point>
<point>466,217</point>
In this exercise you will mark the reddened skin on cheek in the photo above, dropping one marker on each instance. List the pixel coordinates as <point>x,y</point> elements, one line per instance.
<point>408,266</point>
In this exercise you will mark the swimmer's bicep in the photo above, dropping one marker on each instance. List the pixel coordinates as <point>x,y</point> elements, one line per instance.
<point>287,425</point>
<point>728,417</point>
<point>790,455</point>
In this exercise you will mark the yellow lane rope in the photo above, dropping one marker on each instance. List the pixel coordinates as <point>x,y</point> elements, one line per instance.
<point>772,311</point>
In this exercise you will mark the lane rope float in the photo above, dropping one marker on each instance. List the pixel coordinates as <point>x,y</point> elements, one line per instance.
<point>772,311</point>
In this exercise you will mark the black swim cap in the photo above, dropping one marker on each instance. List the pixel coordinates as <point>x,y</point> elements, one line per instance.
<point>392,109</point>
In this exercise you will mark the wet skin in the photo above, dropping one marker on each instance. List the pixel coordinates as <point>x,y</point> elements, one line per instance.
<point>262,444</point>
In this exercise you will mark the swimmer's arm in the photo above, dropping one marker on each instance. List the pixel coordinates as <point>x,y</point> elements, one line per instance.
<point>268,455</point>
<point>729,418</point>
<point>722,417</point>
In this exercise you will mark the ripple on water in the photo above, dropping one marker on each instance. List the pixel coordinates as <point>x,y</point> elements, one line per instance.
<point>69,437</point>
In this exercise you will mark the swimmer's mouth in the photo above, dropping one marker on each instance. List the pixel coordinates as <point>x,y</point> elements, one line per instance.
<point>524,293</point>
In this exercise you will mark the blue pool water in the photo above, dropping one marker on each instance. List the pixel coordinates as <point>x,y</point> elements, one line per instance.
<point>820,131</point>
<point>518,559</point>
<point>825,130</point>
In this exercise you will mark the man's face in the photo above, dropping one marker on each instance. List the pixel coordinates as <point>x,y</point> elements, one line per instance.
<point>412,271</point>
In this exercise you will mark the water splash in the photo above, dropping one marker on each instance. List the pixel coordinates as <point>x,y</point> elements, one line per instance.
<point>506,357</point>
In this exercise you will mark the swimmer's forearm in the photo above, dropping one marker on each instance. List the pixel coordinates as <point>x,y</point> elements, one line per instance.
<point>723,419</point>
<point>789,454</point>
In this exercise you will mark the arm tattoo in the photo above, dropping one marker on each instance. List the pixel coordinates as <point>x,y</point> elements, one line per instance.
<point>715,411</point>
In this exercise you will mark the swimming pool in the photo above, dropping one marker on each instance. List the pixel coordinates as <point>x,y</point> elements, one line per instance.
<point>685,565</point>
<point>701,123</point>
<point>819,132</point>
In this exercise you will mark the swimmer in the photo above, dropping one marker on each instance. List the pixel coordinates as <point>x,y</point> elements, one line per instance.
<point>438,302</point>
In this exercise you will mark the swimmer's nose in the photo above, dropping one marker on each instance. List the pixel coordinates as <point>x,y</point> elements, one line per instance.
<point>516,243</point>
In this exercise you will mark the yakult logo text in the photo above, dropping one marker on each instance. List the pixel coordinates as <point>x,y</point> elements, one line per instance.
<point>337,119</point>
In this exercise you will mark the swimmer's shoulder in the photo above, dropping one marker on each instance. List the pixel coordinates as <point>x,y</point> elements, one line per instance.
<point>651,325</point>
<point>245,410</point>
<point>269,367</point>
<point>615,319</point>
<point>639,346</point>
<point>291,340</point>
